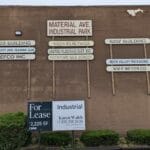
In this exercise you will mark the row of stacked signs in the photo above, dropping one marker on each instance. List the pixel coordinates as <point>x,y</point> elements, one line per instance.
<point>132,64</point>
<point>78,50</point>
<point>17,50</point>
<point>129,65</point>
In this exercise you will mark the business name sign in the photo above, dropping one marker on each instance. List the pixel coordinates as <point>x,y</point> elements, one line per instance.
<point>128,41</point>
<point>66,51</point>
<point>128,68</point>
<point>69,28</point>
<point>17,50</point>
<point>68,115</point>
<point>40,116</point>
<point>70,43</point>
<point>17,56</point>
<point>17,43</point>
<point>128,61</point>
<point>71,57</point>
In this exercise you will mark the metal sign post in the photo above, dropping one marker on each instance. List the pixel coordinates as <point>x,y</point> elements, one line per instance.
<point>112,73</point>
<point>53,70</point>
<point>73,140</point>
<point>88,76</point>
<point>147,74</point>
<point>29,81</point>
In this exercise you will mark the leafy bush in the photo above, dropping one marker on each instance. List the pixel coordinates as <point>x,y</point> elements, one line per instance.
<point>139,136</point>
<point>13,133</point>
<point>100,137</point>
<point>55,138</point>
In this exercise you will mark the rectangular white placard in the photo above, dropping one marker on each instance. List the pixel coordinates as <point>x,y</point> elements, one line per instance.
<point>128,61</point>
<point>71,51</point>
<point>128,41</point>
<point>71,57</point>
<point>68,115</point>
<point>17,42</point>
<point>17,56</point>
<point>128,68</point>
<point>69,28</point>
<point>17,50</point>
<point>70,43</point>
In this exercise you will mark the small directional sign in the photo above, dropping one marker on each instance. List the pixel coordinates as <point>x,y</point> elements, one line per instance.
<point>70,43</point>
<point>71,57</point>
<point>128,41</point>
<point>128,61</point>
<point>71,51</point>
<point>128,68</point>
<point>17,56</point>
<point>18,50</point>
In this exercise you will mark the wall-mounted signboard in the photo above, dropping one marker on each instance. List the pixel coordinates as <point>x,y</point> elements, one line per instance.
<point>65,51</point>
<point>69,28</point>
<point>128,41</point>
<point>17,50</point>
<point>68,115</point>
<point>71,57</point>
<point>128,68</point>
<point>128,61</point>
<point>70,43</point>
<point>40,116</point>
<point>17,56</point>
<point>17,43</point>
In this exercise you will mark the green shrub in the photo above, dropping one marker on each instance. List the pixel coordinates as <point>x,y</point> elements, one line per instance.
<point>100,137</point>
<point>13,133</point>
<point>55,138</point>
<point>139,136</point>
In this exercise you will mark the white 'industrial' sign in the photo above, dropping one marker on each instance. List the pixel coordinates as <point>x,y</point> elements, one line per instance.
<point>128,61</point>
<point>128,68</point>
<point>17,42</point>
<point>68,115</point>
<point>71,57</point>
<point>66,51</point>
<point>128,41</point>
<point>70,43</point>
<point>69,28</point>
<point>17,56</point>
<point>17,50</point>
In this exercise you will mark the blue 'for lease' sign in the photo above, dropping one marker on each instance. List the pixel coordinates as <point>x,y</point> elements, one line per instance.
<point>40,116</point>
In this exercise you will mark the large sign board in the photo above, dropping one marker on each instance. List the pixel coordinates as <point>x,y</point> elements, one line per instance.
<point>68,115</point>
<point>70,43</point>
<point>40,116</point>
<point>17,43</point>
<point>17,50</point>
<point>67,51</point>
<point>128,61</point>
<point>17,56</point>
<point>128,41</point>
<point>69,28</point>
<point>71,57</point>
<point>128,68</point>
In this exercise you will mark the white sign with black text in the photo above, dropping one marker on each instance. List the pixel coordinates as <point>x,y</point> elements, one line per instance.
<point>69,28</point>
<point>17,56</point>
<point>128,68</point>
<point>128,41</point>
<point>17,42</point>
<point>68,115</point>
<point>70,43</point>
<point>71,57</point>
<point>145,61</point>
<point>70,51</point>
